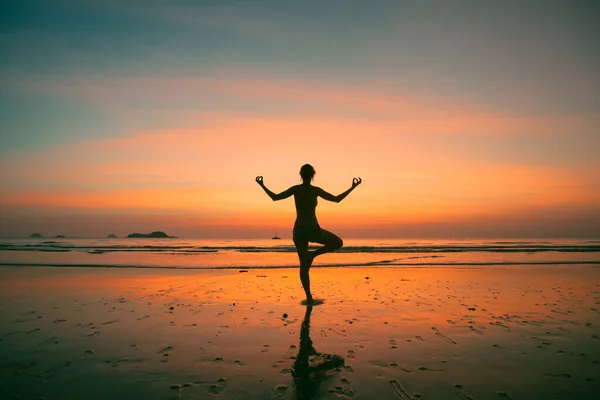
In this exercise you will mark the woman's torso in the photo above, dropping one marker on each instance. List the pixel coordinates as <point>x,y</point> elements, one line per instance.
<point>305,198</point>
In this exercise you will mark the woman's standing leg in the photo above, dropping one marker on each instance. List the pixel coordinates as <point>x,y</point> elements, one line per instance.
<point>303,256</point>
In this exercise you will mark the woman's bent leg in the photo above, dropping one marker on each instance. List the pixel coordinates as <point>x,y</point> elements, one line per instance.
<point>331,242</point>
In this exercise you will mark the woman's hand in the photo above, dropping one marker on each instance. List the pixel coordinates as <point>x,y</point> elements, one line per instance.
<point>355,182</point>
<point>259,180</point>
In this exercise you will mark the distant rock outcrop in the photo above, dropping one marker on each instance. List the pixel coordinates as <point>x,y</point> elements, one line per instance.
<point>111,236</point>
<point>59,236</point>
<point>36,236</point>
<point>156,234</point>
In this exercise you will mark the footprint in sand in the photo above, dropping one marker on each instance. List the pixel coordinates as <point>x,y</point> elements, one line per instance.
<point>341,391</point>
<point>280,390</point>
<point>213,388</point>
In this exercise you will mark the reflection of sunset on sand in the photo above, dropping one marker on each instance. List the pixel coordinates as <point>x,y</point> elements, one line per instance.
<point>518,332</point>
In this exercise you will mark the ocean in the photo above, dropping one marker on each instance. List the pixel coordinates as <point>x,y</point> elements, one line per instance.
<point>180,253</point>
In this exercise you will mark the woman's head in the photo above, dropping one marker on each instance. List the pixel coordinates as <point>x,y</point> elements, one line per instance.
<point>307,172</point>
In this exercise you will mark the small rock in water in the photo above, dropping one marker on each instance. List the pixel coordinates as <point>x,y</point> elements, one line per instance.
<point>458,385</point>
<point>175,386</point>
<point>171,308</point>
<point>367,277</point>
<point>285,315</point>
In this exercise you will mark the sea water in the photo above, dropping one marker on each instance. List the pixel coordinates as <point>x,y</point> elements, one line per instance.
<point>267,253</point>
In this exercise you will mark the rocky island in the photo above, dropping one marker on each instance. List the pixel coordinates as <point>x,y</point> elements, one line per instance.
<point>111,236</point>
<point>155,234</point>
<point>36,236</point>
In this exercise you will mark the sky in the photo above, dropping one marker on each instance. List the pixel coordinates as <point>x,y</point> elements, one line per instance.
<point>465,119</point>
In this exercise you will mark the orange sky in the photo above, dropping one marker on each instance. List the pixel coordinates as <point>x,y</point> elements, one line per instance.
<point>456,132</point>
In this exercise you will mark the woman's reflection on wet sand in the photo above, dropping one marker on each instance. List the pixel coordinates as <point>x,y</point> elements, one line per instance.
<point>311,367</point>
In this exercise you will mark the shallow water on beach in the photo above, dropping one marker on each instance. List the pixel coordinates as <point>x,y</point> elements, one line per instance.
<point>261,253</point>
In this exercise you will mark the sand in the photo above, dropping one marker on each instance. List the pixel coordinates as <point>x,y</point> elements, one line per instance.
<point>381,333</point>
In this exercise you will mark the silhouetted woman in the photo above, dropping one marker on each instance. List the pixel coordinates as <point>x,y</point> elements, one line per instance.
<point>306,227</point>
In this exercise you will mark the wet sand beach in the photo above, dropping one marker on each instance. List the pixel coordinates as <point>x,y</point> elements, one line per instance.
<point>517,332</point>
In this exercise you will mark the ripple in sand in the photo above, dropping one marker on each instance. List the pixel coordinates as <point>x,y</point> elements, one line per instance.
<point>48,341</point>
<point>21,320</point>
<point>558,375</point>
<point>444,337</point>
<point>400,367</point>
<point>399,390</point>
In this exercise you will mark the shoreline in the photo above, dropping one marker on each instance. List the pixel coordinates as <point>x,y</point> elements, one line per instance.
<point>382,264</point>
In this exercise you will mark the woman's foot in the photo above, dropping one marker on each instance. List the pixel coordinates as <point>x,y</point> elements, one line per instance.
<point>312,302</point>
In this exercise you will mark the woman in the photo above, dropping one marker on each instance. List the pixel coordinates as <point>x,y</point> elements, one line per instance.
<point>306,227</point>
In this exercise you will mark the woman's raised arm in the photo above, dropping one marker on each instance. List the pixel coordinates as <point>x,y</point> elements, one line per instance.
<point>280,196</point>
<point>328,196</point>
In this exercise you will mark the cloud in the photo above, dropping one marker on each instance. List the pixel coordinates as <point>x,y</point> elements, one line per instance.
<point>185,101</point>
